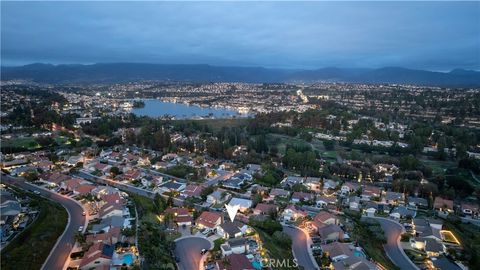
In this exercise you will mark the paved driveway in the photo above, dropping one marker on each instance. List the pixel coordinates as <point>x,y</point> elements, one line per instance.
<point>393,230</point>
<point>60,252</point>
<point>300,247</point>
<point>188,251</point>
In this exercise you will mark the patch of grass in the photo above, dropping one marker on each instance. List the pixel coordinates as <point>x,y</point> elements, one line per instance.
<point>438,166</point>
<point>26,142</point>
<point>30,249</point>
<point>217,243</point>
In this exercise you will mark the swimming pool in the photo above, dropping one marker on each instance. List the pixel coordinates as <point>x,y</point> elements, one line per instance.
<point>257,264</point>
<point>128,258</point>
<point>358,253</point>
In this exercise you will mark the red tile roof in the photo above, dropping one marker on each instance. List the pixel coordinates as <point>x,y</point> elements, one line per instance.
<point>84,189</point>
<point>264,208</point>
<point>235,262</point>
<point>208,219</point>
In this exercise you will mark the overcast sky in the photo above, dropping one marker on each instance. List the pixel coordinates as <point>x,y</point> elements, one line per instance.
<point>424,35</point>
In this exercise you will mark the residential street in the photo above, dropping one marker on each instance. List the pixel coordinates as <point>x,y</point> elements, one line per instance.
<point>393,230</point>
<point>188,251</point>
<point>300,247</point>
<point>124,187</point>
<point>60,252</point>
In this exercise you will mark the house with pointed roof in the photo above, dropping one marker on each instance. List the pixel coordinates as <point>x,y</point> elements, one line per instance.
<point>98,255</point>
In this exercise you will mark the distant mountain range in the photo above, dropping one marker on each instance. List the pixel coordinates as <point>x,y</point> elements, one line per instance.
<point>124,72</point>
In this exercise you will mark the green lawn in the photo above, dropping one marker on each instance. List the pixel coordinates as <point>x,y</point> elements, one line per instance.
<point>30,249</point>
<point>27,142</point>
<point>438,166</point>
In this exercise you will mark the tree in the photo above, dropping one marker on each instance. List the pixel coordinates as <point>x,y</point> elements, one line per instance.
<point>329,145</point>
<point>256,199</point>
<point>114,171</point>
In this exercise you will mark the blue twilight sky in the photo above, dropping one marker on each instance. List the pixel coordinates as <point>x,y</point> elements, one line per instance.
<point>424,35</point>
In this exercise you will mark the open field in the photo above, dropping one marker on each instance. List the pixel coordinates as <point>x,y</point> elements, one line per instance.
<point>438,166</point>
<point>26,142</point>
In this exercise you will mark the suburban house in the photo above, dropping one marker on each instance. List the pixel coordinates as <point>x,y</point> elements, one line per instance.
<point>265,209</point>
<point>172,186</point>
<point>181,216</point>
<point>278,192</point>
<point>370,209</point>
<point>354,263</point>
<point>313,183</point>
<point>233,229</point>
<point>218,196</point>
<point>292,180</point>
<point>208,220</point>
<point>234,246</point>
<point>394,198</point>
<point>323,218</point>
<point>349,187</point>
<point>323,201</point>
<point>369,192</point>
<point>337,251</point>
<point>292,213</point>
<point>109,223</point>
<point>98,255</point>
<point>84,189</point>
<point>111,209</point>
<point>234,183</point>
<point>53,179</point>
<point>234,262</point>
<point>330,232</point>
<point>244,204</point>
<point>418,202</point>
<point>329,184</point>
<point>101,167</point>
<point>73,161</point>
<point>71,184</point>
<point>401,211</point>
<point>193,190</point>
<point>302,196</point>
<point>354,203</point>
<point>113,236</point>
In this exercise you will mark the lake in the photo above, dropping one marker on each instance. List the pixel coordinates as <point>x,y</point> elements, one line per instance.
<point>158,108</point>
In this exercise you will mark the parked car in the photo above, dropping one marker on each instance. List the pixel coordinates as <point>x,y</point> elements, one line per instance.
<point>203,251</point>
<point>80,229</point>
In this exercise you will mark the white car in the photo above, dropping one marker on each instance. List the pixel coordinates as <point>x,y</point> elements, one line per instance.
<point>36,192</point>
<point>80,229</point>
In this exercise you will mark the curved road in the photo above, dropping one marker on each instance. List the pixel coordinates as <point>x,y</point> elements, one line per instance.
<point>300,247</point>
<point>393,230</point>
<point>188,251</point>
<point>61,250</point>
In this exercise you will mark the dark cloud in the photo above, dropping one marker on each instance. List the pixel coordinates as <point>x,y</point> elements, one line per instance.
<point>429,35</point>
